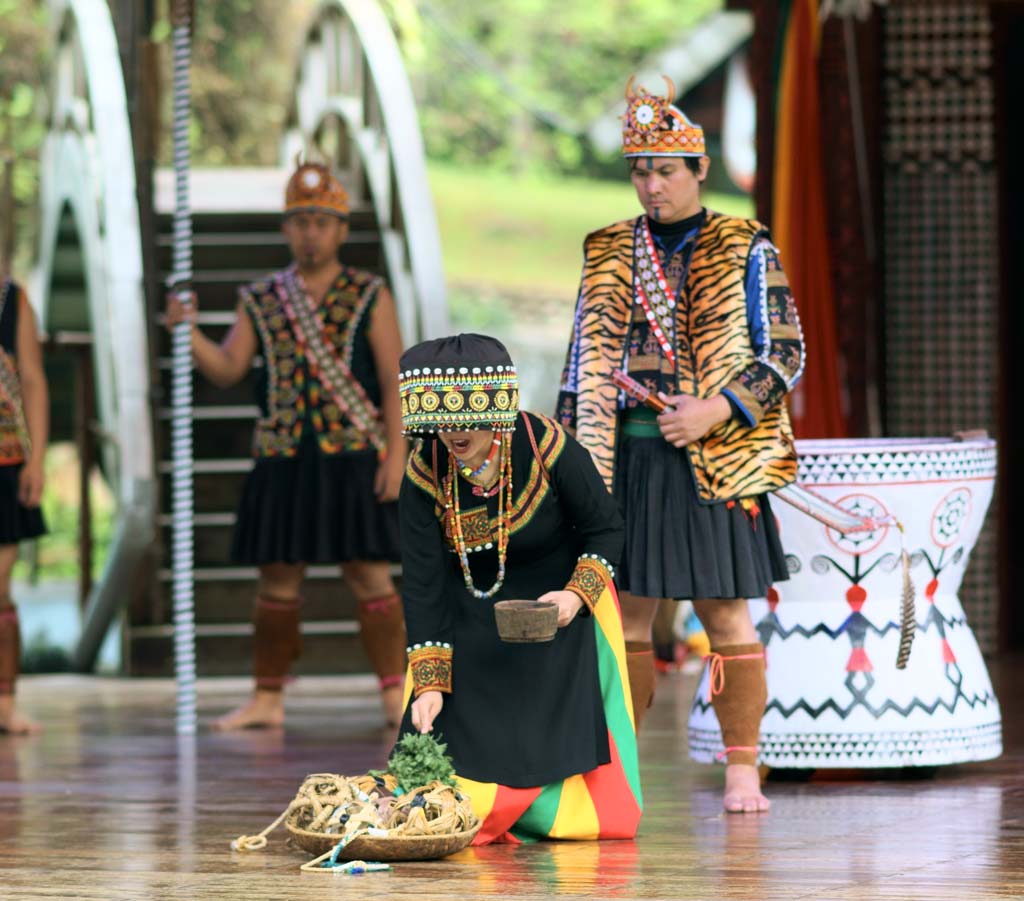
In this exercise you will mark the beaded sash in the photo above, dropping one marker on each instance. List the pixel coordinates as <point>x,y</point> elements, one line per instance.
<point>333,373</point>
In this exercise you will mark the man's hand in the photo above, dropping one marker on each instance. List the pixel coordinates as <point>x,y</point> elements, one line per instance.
<point>690,418</point>
<point>390,472</point>
<point>425,710</point>
<point>179,311</point>
<point>569,604</point>
<point>30,484</point>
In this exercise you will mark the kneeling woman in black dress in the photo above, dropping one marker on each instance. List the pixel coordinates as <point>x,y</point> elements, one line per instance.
<point>498,504</point>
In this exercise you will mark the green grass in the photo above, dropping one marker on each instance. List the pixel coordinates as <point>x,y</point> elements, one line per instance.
<point>524,234</point>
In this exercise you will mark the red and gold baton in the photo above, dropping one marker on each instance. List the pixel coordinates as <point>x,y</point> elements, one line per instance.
<point>637,391</point>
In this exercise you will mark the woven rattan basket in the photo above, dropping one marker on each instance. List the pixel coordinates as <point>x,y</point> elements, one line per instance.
<point>366,847</point>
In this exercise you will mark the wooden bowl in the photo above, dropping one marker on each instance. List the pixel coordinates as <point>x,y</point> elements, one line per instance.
<point>526,621</point>
<point>366,847</point>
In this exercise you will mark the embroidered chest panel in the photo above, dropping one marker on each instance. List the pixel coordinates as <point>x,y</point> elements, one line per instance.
<point>294,391</point>
<point>479,528</point>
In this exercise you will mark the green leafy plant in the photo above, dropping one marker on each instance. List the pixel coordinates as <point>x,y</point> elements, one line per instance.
<point>420,759</point>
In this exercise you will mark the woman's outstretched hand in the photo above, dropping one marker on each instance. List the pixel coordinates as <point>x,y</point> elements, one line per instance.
<point>569,604</point>
<point>425,710</point>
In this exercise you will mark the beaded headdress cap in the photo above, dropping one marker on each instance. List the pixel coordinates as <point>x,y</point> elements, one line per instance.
<point>652,126</point>
<point>312,189</point>
<point>459,383</point>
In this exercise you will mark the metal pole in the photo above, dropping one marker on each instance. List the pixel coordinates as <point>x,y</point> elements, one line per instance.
<point>182,492</point>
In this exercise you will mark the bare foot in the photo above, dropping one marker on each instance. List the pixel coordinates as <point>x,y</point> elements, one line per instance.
<point>264,710</point>
<point>743,790</point>
<point>13,723</point>
<point>391,700</point>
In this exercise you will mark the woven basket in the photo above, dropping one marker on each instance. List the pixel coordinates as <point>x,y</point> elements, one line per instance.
<point>366,847</point>
<point>526,621</point>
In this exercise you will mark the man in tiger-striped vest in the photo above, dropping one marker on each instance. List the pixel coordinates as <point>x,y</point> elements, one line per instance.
<point>694,306</point>
<point>328,447</point>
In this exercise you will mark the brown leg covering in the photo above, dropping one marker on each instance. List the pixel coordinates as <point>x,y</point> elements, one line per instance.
<point>382,628</point>
<point>276,640</point>
<point>10,648</point>
<point>739,692</point>
<point>640,667</point>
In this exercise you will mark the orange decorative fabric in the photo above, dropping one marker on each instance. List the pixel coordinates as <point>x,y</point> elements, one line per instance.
<point>431,666</point>
<point>590,578</point>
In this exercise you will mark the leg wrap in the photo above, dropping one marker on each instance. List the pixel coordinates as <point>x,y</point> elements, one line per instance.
<point>739,692</point>
<point>640,667</point>
<point>276,640</point>
<point>10,648</point>
<point>382,628</point>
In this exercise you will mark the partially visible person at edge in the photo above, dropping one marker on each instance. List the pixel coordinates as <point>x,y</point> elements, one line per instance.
<point>695,306</point>
<point>24,431</point>
<point>329,448</point>
<point>500,504</point>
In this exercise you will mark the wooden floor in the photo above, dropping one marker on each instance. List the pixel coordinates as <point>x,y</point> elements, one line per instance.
<point>109,805</point>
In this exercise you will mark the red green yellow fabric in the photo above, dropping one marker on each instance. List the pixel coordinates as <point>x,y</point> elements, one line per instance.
<point>605,803</point>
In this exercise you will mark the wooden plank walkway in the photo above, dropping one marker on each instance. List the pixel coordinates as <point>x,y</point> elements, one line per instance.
<point>108,804</point>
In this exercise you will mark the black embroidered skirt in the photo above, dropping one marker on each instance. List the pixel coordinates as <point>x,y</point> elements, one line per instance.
<point>314,508</point>
<point>17,522</point>
<point>679,548</point>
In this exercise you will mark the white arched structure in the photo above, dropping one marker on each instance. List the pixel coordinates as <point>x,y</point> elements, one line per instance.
<point>88,171</point>
<point>352,91</point>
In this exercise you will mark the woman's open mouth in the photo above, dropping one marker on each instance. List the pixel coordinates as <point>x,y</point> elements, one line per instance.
<point>460,445</point>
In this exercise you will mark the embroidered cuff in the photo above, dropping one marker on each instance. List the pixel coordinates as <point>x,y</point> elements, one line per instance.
<point>431,665</point>
<point>590,578</point>
<point>757,389</point>
<point>738,410</point>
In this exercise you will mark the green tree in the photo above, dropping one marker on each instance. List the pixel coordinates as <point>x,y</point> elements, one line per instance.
<point>23,70</point>
<point>515,81</point>
<point>243,71</point>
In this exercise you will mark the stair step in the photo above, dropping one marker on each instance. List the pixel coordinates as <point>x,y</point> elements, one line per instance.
<point>231,655</point>
<point>207,394</point>
<point>165,364</point>
<point>217,487</point>
<point>213,467</point>
<point>326,597</point>
<point>268,249</point>
<point>223,630</point>
<point>217,412</point>
<point>202,520</point>
<point>251,573</point>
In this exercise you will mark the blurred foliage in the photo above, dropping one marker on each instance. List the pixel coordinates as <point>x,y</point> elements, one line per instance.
<point>55,554</point>
<point>24,64</point>
<point>243,72</point>
<point>521,78</point>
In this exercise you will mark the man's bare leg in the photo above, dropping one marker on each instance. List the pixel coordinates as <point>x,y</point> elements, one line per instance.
<point>276,643</point>
<point>728,625</point>
<point>382,630</point>
<point>11,722</point>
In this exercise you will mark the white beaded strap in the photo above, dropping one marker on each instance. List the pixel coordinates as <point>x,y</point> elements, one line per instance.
<point>428,644</point>
<point>601,560</point>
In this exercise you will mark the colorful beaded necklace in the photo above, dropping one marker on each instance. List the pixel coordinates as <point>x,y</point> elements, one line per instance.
<point>471,473</point>
<point>504,526</point>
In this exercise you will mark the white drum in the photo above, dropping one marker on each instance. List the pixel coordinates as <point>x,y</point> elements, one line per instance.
<point>835,697</point>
